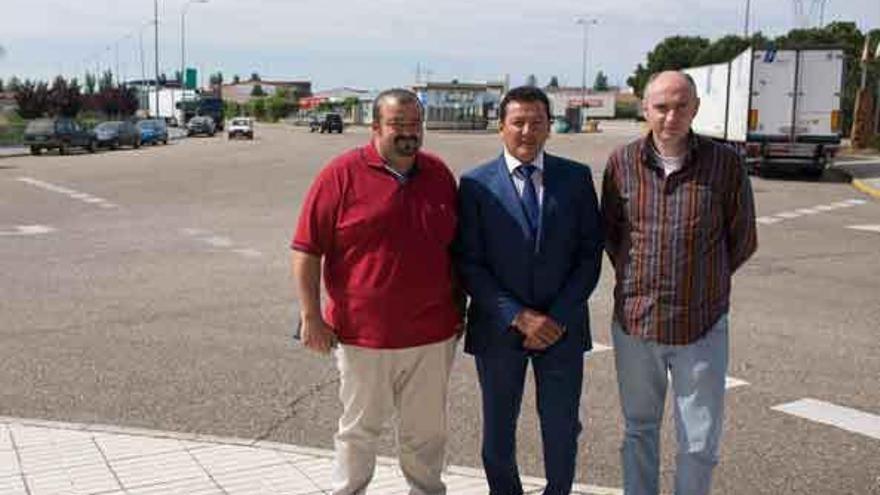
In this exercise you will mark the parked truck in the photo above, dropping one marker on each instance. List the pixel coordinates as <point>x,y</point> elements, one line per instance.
<point>780,108</point>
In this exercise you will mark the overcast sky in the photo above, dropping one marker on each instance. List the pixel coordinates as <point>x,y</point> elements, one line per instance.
<point>380,43</point>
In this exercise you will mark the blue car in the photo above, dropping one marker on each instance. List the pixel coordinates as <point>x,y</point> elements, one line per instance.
<point>153,131</point>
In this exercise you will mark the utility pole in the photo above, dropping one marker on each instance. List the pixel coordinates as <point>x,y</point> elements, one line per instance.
<point>746,29</point>
<point>585,22</point>
<point>156,48</point>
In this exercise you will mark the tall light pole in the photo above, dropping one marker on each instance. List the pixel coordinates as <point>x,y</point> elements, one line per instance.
<point>586,22</point>
<point>156,52</point>
<point>746,29</point>
<point>183,41</point>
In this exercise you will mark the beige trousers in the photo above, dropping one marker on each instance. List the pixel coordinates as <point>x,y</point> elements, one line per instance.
<point>409,388</point>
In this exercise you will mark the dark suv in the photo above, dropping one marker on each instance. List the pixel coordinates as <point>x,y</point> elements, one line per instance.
<point>331,122</point>
<point>61,133</point>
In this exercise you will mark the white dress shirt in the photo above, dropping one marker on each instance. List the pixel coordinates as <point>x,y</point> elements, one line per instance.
<point>537,176</point>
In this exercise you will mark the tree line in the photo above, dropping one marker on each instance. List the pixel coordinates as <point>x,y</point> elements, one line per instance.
<point>681,52</point>
<point>68,98</point>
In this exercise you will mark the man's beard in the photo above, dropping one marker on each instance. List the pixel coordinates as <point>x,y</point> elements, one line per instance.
<point>407,145</point>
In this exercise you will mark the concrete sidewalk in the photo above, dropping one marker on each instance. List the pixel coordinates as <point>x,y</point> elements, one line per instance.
<point>863,169</point>
<point>43,457</point>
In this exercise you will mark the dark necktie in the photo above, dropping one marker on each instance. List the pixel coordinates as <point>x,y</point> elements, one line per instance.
<point>530,196</point>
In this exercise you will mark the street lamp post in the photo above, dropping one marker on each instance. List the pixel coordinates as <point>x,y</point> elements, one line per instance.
<point>183,44</point>
<point>586,22</point>
<point>156,52</point>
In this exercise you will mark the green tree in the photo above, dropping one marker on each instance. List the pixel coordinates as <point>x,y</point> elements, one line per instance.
<point>236,79</point>
<point>673,53</point>
<point>32,98</point>
<point>601,83</point>
<point>258,91</point>
<point>216,79</point>
<point>65,98</point>
<point>2,87</point>
<point>90,83</point>
<point>554,82</point>
<point>255,76</point>
<point>105,82</point>
<point>13,84</point>
<point>532,81</point>
<point>258,108</point>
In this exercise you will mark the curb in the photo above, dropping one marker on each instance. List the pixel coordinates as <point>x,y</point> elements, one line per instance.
<point>865,188</point>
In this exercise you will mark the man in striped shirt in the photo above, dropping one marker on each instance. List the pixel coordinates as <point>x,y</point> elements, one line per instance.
<point>680,219</point>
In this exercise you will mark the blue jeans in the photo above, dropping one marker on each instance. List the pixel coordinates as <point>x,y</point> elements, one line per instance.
<point>697,371</point>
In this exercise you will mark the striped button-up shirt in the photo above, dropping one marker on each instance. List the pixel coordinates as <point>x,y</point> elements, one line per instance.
<point>675,241</point>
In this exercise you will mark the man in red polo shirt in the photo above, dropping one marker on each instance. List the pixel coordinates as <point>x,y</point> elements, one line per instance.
<point>382,218</point>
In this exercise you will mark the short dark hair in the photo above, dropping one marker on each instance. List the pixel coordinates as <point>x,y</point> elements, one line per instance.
<point>524,94</point>
<point>400,95</point>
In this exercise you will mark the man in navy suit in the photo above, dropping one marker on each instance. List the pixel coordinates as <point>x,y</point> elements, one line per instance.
<point>529,253</point>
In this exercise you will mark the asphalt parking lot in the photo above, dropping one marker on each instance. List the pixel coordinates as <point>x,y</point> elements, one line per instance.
<point>150,288</point>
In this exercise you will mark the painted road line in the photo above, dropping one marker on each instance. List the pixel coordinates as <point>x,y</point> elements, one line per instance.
<point>731,382</point>
<point>824,208</point>
<point>768,220</point>
<point>248,253</point>
<point>866,228</point>
<point>807,211</point>
<point>27,230</point>
<point>218,241</point>
<point>597,348</point>
<point>856,202</point>
<point>845,418</point>
<point>788,215</point>
<point>70,193</point>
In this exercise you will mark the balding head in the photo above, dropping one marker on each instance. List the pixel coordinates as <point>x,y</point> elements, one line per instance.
<point>670,104</point>
<point>672,77</point>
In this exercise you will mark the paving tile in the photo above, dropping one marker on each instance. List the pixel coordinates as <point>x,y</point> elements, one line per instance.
<point>81,480</point>
<point>5,443</point>
<point>276,480</point>
<point>154,469</point>
<point>12,485</point>
<point>319,470</point>
<point>9,464</point>
<point>193,486</point>
<point>118,447</point>
<point>54,456</point>
<point>223,458</point>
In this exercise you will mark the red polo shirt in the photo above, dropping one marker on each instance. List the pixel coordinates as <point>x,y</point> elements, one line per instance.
<point>385,246</point>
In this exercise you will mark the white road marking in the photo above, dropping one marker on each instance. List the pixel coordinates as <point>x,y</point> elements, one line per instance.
<point>70,193</point>
<point>248,253</point>
<point>768,220</point>
<point>731,382</point>
<point>23,230</point>
<point>220,242</point>
<point>866,228</point>
<point>788,215</point>
<point>813,210</point>
<point>597,348</point>
<point>845,418</point>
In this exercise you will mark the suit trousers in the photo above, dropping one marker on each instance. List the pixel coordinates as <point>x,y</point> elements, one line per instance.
<point>698,372</point>
<point>558,381</point>
<point>407,387</point>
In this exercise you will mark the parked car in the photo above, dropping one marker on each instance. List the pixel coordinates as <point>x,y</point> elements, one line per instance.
<point>314,123</point>
<point>153,131</point>
<point>332,122</point>
<point>117,133</point>
<point>200,124</point>
<point>241,127</point>
<point>60,133</point>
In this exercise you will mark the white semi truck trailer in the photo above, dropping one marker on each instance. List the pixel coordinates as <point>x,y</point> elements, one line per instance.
<point>781,109</point>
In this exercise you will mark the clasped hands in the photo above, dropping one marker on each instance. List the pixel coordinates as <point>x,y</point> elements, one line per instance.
<point>540,331</point>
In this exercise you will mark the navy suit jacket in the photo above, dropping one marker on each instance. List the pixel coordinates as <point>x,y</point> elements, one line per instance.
<point>505,269</point>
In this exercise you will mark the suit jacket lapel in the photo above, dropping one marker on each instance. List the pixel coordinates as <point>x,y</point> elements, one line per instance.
<point>506,191</point>
<point>549,201</point>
